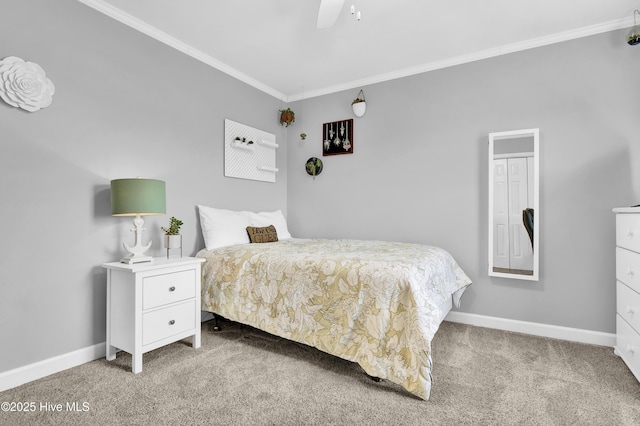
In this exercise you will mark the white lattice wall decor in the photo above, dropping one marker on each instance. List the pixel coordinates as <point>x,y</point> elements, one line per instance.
<point>245,160</point>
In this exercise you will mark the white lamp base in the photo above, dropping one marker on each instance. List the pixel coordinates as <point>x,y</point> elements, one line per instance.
<point>135,258</point>
<point>136,253</point>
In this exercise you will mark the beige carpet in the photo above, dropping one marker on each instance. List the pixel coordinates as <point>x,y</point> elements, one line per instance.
<point>242,376</point>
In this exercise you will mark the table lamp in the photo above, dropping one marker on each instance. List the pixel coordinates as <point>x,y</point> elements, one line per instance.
<point>137,197</point>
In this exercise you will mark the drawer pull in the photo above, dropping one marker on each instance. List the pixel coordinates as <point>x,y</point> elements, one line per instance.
<point>630,272</point>
<point>630,349</point>
<point>630,310</point>
<point>172,322</point>
<point>173,288</point>
<point>630,233</point>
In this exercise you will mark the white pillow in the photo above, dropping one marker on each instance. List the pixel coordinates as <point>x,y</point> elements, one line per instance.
<point>222,228</point>
<point>272,218</point>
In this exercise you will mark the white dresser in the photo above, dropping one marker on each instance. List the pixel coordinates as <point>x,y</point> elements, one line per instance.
<point>628,287</point>
<point>152,304</point>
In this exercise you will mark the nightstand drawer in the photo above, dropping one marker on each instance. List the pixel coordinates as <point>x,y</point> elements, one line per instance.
<point>628,305</point>
<point>628,268</point>
<point>628,345</point>
<point>163,323</point>
<point>628,231</point>
<point>159,290</point>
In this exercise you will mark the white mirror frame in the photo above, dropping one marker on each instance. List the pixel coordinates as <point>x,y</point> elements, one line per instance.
<point>497,136</point>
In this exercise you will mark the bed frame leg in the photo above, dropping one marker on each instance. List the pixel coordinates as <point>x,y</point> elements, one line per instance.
<point>374,378</point>
<point>216,324</point>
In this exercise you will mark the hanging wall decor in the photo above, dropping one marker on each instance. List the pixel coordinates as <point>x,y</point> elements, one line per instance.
<point>24,84</point>
<point>337,137</point>
<point>634,34</point>
<point>359,105</point>
<point>313,166</point>
<point>287,117</point>
<point>249,153</point>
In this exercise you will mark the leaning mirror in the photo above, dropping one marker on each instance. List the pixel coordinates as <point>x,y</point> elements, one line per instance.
<point>514,213</point>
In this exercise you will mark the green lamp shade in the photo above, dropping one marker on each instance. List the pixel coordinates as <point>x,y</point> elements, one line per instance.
<point>132,197</point>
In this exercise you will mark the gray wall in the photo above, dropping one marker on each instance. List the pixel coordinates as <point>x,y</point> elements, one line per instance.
<point>419,170</point>
<point>125,106</point>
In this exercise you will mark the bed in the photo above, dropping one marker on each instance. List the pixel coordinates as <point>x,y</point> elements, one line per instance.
<point>376,303</point>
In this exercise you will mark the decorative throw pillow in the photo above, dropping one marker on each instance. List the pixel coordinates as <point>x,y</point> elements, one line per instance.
<point>265,234</point>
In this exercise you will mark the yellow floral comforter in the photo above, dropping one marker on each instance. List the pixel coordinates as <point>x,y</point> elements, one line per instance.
<point>372,302</point>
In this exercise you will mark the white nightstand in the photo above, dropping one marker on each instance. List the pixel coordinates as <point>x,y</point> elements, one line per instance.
<point>152,304</point>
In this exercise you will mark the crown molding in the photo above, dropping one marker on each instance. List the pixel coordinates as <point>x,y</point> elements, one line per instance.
<point>472,57</point>
<point>165,38</point>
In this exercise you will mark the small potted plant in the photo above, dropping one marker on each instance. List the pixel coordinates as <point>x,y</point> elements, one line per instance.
<point>172,237</point>
<point>287,117</point>
<point>243,140</point>
<point>359,105</point>
<point>242,143</point>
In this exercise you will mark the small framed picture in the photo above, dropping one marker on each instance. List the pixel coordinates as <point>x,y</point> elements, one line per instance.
<point>337,137</point>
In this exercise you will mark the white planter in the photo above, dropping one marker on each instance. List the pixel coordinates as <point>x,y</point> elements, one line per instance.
<point>172,241</point>
<point>359,108</point>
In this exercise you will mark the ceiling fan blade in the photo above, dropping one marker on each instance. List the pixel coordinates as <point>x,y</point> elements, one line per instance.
<point>328,12</point>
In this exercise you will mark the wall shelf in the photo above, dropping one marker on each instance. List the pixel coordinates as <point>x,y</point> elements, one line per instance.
<point>268,144</point>
<point>241,145</point>
<point>268,169</point>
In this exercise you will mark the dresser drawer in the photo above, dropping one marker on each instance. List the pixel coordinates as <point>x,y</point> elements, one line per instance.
<point>628,268</point>
<point>628,345</point>
<point>628,231</point>
<point>628,305</point>
<point>158,290</point>
<point>163,323</point>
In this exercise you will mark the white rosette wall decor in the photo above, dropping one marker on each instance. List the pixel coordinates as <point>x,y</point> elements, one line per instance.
<point>24,84</point>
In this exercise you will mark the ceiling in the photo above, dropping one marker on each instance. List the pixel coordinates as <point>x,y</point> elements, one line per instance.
<point>274,45</point>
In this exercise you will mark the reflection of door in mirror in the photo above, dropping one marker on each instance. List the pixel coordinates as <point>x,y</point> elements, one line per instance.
<point>512,194</point>
<point>513,204</point>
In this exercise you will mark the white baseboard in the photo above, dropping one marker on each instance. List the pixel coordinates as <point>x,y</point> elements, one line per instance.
<point>13,378</point>
<point>16,377</point>
<point>544,330</point>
